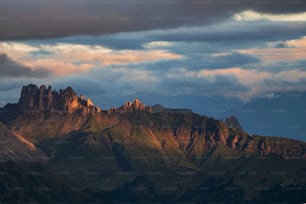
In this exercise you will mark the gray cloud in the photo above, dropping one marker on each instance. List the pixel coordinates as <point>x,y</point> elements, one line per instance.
<point>228,35</point>
<point>127,83</point>
<point>228,60</point>
<point>12,84</point>
<point>239,32</point>
<point>9,68</point>
<point>199,61</point>
<point>234,59</point>
<point>87,86</point>
<point>279,66</point>
<point>225,85</point>
<point>56,18</point>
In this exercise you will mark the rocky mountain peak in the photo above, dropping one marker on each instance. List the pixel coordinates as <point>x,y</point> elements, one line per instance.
<point>44,99</point>
<point>132,106</point>
<point>232,122</point>
<point>129,106</point>
<point>89,103</point>
<point>138,105</point>
<point>68,92</point>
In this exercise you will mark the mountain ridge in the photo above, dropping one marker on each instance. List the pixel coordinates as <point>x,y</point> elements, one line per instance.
<point>172,152</point>
<point>192,133</point>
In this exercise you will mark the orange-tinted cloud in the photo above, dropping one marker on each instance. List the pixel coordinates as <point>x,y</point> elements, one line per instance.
<point>295,50</point>
<point>73,58</point>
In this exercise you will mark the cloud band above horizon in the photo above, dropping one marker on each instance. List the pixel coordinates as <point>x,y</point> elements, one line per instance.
<point>233,49</point>
<point>33,19</point>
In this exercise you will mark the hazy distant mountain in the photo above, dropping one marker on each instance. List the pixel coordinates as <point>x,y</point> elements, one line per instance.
<point>138,153</point>
<point>283,115</point>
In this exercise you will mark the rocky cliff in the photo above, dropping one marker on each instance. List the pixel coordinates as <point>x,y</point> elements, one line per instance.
<point>44,99</point>
<point>130,107</point>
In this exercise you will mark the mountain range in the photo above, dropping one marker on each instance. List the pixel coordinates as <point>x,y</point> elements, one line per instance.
<point>53,140</point>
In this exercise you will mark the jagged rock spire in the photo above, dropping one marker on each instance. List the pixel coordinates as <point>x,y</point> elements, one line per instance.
<point>41,99</point>
<point>129,106</point>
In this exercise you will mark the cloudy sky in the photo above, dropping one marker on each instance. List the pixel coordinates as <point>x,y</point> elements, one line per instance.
<point>176,52</point>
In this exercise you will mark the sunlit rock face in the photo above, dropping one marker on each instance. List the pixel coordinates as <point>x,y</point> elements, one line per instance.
<point>129,106</point>
<point>45,99</point>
